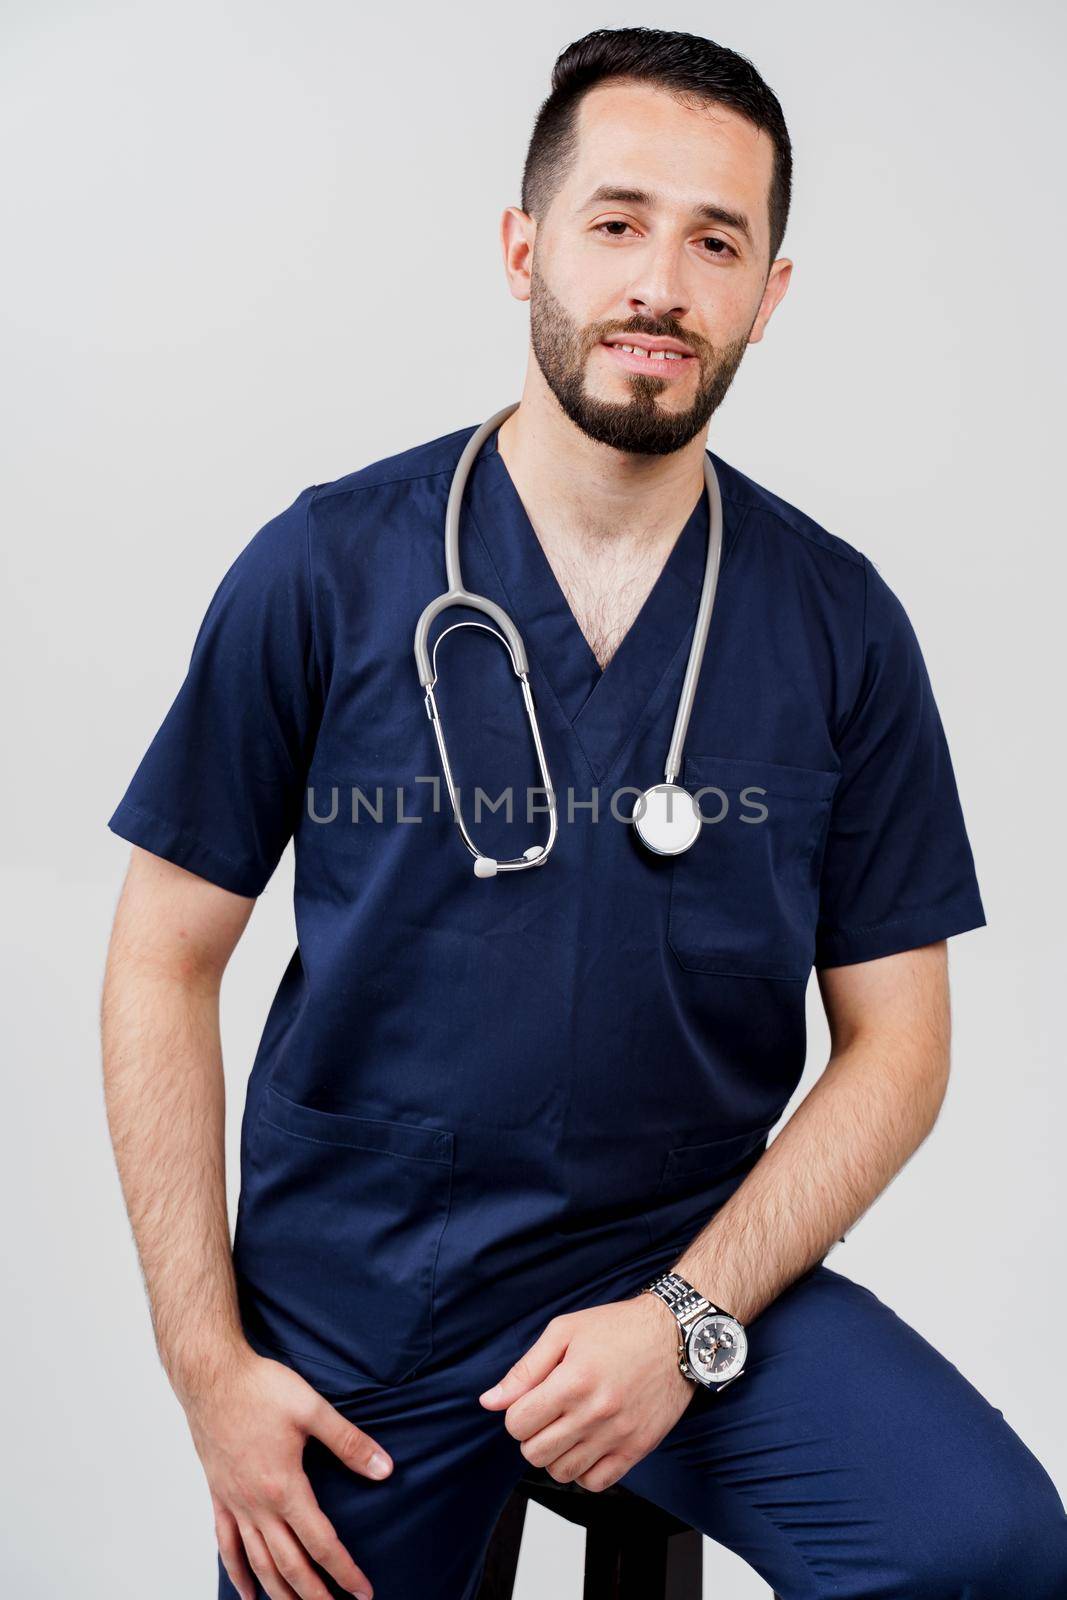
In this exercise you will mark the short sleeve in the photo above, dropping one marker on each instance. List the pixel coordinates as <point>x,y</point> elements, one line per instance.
<point>219,789</point>
<point>897,870</point>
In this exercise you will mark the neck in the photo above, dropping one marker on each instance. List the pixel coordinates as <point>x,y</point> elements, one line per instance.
<point>586,492</point>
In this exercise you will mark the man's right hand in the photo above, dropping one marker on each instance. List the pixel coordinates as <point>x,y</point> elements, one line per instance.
<point>249,1426</point>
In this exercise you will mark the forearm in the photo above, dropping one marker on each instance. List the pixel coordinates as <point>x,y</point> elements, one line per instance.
<point>165,1098</point>
<point>870,1110</point>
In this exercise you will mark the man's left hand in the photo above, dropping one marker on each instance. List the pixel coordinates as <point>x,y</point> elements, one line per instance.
<point>596,1391</point>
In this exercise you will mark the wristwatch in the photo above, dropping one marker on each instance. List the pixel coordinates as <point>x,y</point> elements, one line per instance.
<point>712,1345</point>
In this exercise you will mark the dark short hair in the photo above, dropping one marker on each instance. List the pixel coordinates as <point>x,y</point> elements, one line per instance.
<point>683,64</point>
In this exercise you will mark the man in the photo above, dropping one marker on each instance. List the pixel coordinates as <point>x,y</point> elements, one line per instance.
<point>485,1117</point>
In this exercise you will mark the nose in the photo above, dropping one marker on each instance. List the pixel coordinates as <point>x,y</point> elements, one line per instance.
<point>656,305</point>
<point>656,291</point>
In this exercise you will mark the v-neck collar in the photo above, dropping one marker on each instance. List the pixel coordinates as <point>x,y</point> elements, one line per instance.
<point>603,707</point>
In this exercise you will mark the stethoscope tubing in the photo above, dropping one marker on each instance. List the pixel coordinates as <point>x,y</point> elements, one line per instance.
<point>457,594</point>
<point>701,626</point>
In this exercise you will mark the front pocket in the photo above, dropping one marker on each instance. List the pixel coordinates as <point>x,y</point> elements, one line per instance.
<point>696,1179</point>
<point>744,900</point>
<point>697,1164</point>
<point>341,1218</point>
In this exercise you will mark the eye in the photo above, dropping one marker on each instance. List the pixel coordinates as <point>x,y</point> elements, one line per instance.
<point>615,228</point>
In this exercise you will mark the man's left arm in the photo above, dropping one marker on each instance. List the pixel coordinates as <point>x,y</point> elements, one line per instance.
<point>601,1387</point>
<point>872,1107</point>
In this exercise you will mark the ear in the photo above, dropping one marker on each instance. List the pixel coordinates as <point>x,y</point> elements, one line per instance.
<point>518,231</point>
<point>773,291</point>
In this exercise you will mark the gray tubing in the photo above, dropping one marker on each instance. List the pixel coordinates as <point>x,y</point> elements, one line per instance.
<point>458,595</point>
<point>702,624</point>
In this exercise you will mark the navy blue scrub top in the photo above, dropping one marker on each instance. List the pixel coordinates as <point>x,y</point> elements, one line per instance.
<point>461,1083</point>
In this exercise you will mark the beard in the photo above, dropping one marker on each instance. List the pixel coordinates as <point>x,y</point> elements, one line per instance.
<point>637,425</point>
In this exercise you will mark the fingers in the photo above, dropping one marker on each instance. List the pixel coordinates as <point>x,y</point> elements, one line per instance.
<point>560,1400</point>
<point>350,1444</point>
<point>232,1551</point>
<point>270,1527</point>
<point>292,1563</point>
<point>571,1406</point>
<point>575,1425</point>
<point>544,1446</point>
<point>319,1538</point>
<point>262,1564</point>
<point>282,1562</point>
<point>545,1353</point>
<point>575,1395</point>
<point>280,1536</point>
<point>603,1473</point>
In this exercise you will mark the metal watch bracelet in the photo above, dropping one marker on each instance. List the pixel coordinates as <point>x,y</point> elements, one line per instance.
<point>679,1296</point>
<point>686,1304</point>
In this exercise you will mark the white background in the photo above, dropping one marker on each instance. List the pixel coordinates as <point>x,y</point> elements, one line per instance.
<point>254,246</point>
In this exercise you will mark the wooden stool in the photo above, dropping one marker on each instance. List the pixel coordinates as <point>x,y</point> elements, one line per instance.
<point>633,1549</point>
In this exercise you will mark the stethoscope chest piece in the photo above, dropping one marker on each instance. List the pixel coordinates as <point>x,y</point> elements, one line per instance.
<point>667,819</point>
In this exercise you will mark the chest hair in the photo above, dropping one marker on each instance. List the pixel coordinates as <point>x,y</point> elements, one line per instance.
<point>605,586</point>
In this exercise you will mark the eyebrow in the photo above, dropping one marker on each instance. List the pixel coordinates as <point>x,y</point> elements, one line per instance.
<point>707,212</point>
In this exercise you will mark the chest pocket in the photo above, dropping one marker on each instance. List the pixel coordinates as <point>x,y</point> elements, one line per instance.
<point>338,1230</point>
<point>744,900</point>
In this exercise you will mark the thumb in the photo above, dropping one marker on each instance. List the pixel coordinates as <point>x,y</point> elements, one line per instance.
<point>349,1444</point>
<point>532,1368</point>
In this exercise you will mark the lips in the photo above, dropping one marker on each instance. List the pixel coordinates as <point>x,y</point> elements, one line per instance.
<point>668,366</point>
<point>643,341</point>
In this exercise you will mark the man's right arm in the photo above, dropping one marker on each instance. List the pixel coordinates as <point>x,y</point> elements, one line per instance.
<point>173,935</point>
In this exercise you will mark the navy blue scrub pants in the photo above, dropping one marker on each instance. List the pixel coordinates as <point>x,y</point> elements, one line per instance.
<point>850,1460</point>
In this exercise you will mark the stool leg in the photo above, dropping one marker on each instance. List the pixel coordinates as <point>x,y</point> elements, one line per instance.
<point>643,1567</point>
<point>685,1566</point>
<point>502,1556</point>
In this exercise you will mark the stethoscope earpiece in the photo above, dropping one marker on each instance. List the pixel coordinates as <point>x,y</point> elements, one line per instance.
<point>486,867</point>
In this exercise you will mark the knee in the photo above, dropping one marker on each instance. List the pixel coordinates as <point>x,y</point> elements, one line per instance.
<point>1012,1541</point>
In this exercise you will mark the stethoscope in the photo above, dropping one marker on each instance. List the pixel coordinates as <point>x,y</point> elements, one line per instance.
<point>666,817</point>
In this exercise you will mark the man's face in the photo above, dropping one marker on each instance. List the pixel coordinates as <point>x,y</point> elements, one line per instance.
<point>625,249</point>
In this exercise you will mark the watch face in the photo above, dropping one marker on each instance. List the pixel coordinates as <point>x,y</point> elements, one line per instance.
<point>716,1348</point>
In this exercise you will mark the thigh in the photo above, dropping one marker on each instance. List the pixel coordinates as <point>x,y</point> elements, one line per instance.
<point>851,1458</point>
<point>423,1530</point>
